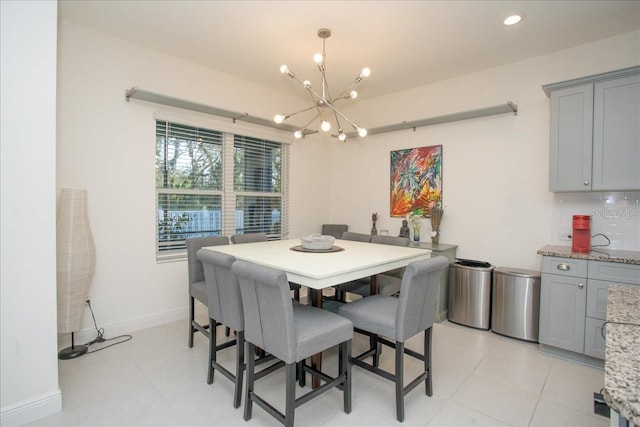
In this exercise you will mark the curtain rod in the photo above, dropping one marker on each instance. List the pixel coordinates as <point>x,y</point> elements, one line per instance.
<point>144,95</point>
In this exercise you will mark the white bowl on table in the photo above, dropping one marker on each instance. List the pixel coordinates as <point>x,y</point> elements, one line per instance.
<point>317,242</point>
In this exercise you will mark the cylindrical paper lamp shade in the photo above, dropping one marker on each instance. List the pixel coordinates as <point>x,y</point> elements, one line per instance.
<point>76,258</point>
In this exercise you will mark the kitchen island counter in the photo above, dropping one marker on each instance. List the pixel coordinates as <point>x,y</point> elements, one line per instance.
<point>622,357</point>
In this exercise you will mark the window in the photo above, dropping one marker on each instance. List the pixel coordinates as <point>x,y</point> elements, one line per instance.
<point>215,183</point>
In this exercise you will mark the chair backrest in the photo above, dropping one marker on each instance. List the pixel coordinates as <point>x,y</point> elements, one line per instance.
<point>418,296</point>
<point>196,272</point>
<point>335,230</point>
<point>358,237</point>
<point>223,290</point>
<point>268,309</point>
<point>248,238</point>
<point>390,240</point>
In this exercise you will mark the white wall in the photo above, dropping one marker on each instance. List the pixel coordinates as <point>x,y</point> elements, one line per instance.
<point>495,170</point>
<point>28,347</point>
<point>106,146</point>
<point>497,205</point>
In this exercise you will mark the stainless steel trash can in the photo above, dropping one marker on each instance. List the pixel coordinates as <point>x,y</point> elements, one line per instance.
<point>515,303</point>
<point>470,293</point>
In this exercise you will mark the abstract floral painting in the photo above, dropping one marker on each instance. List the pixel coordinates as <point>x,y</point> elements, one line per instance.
<point>416,181</point>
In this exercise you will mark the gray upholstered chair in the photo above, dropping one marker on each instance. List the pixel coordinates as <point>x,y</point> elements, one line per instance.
<point>290,332</point>
<point>262,237</point>
<point>356,237</point>
<point>248,238</point>
<point>388,282</point>
<point>383,318</point>
<point>196,279</point>
<point>335,230</point>
<point>225,307</point>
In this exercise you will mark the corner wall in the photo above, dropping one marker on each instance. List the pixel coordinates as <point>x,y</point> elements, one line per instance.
<point>28,347</point>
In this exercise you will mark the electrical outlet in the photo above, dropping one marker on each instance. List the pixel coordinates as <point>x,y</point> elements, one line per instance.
<point>564,236</point>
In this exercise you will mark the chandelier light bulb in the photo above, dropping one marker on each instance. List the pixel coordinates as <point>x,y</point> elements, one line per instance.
<point>353,94</point>
<point>279,118</point>
<point>366,72</point>
<point>362,132</point>
<point>284,69</point>
<point>317,58</point>
<point>297,134</point>
<point>342,136</point>
<point>325,126</point>
<point>306,83</point>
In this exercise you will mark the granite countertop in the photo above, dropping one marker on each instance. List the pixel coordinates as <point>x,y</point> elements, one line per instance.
<point>622,356</point>
<point>598,254</point>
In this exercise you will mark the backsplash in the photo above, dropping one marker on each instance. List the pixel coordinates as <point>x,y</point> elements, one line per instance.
<point>614,214</point>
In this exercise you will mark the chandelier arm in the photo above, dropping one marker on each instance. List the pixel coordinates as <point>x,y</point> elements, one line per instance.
<point>348,88</point>
<point>308,123</point>
<point>326,93</point>
<point>338,112</point>
<point>299,111</point>
<point>355,126</point>
<point>335,116</point>
<point>315,99</point>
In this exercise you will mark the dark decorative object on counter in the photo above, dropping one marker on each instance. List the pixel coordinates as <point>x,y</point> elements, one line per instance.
<point>436,218</point>
<point>404,230</point>
<point>374,218</point>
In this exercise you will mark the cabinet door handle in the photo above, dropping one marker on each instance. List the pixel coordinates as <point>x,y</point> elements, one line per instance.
<point>564,267</point>
<point>586,183</point>
<point>580,286</point>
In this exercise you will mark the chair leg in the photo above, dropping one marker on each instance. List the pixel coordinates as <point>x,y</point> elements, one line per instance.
<point>290,404</point>
<point>192,313</point>
<point>428,382</point>
<point>239,369</point>
<point>248,403</point>
<point>302,379</point>
<point>373,343</point>
<point>344,368</point>
<point>213,336</point>
<point>399,380</point>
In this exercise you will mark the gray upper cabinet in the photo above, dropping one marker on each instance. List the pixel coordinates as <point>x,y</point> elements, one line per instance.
<point>595,132</point>
<point>616,134</point>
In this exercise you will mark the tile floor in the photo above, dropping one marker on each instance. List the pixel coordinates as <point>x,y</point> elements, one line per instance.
<point>480,379</point>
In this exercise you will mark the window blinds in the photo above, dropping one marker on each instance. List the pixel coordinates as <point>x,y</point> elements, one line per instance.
<point>211,183</point>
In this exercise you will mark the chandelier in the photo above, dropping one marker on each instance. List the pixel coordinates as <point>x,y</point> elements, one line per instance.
<point>324,103</point>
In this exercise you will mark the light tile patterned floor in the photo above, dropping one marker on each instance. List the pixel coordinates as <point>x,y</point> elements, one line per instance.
<point>480,379</point>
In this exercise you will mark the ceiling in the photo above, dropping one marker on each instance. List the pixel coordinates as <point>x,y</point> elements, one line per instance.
<point>405,43</point>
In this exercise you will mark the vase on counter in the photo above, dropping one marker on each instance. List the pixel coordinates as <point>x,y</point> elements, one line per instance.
<point>416,234</point>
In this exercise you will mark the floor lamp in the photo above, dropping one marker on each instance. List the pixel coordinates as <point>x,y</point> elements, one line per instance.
<point>76,257</point>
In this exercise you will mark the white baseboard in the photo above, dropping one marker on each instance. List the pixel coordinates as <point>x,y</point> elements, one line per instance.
<point>31,410</point>
<point>125,327</point>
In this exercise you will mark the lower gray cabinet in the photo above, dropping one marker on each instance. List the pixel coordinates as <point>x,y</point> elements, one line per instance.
<point>562,312</point>
<point>594,342</point>
<point>573,301</point>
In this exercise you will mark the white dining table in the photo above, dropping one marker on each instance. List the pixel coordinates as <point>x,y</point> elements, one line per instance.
<point>319,270</point>
<point>350,260</point>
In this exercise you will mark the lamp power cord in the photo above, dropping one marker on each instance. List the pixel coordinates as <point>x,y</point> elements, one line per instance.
<point>100,335</point>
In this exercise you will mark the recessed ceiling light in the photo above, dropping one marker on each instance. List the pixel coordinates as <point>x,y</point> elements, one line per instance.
<point>513,19</point>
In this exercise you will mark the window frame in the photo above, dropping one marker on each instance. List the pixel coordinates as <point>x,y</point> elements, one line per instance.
<point>227,193</point>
